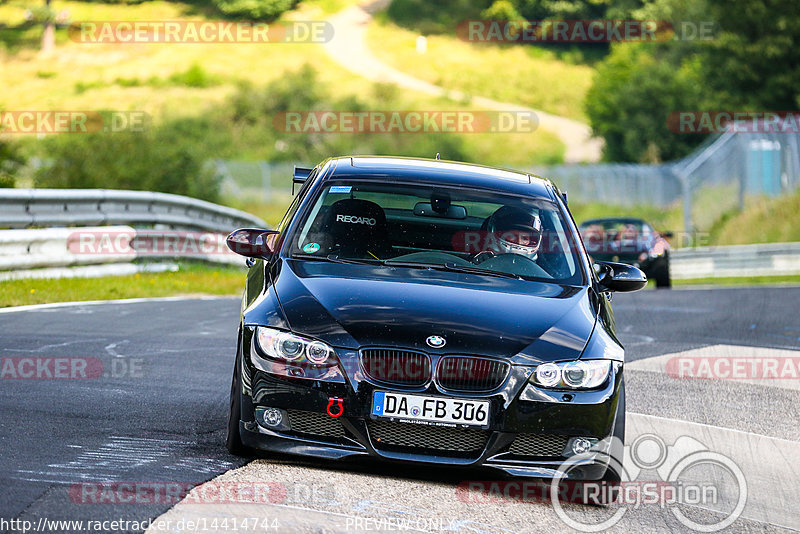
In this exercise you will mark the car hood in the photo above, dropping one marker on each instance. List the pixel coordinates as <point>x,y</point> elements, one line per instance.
<point>351,306</point>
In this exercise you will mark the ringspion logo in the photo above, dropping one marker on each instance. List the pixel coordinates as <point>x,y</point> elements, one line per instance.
<point>688,473</point>
<point>189,32</point>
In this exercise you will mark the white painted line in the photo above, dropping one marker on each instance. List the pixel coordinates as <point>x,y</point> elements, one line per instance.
<point>744,433</point>
<point>37,307</point>
<point>733,363</point>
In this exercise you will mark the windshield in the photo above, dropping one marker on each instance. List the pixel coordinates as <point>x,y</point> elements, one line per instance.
<point>615,235</point>
<point>426,226</point>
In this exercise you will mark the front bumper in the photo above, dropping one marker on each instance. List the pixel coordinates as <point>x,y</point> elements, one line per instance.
<point>529,433</point>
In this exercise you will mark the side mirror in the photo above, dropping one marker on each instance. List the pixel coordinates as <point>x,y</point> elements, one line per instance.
<point>620,277</point>
<point>253,242</point>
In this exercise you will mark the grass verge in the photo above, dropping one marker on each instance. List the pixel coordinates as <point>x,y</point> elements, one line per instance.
<point>763,220</point>
<point>191,279</point>
<point>741,281</point>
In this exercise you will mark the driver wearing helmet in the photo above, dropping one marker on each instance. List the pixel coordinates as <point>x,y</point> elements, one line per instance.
<point>514,230</point>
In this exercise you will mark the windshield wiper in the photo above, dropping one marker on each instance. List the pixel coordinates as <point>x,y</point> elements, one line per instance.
<point>335,259</point>
<point>451,267</point>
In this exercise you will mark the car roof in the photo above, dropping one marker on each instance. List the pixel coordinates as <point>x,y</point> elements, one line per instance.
<point>452,173</point>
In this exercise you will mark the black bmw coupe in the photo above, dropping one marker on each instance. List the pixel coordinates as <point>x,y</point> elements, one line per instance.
<point>432,312</point>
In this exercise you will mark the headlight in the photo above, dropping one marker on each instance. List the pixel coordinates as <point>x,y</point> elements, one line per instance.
<point>580,374</point>
<point>547,375</point>
<point>658,249</point>
<point>288,347</point>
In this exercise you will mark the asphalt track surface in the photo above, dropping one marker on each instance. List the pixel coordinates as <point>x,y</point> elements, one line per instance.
<point>155,413</point>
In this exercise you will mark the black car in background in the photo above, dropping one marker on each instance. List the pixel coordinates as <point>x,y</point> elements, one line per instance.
<point>632,241</point>
<point>431,312</point>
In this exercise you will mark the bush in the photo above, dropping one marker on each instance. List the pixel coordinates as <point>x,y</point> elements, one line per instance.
<point>170,159</point>
<point>250,112</point>
<point>501,10</point>
<point>633,92</point>
<point>10,162</point>
<point>442,16</point>
<point>254,9</point>
<point>194,76</point>
<point>173,157</point>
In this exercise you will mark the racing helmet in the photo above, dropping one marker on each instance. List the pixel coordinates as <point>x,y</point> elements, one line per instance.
<point>515,231</point>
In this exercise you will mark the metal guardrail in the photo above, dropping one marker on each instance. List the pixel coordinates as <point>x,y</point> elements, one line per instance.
<point>26,208</point>
<point>69,247</point>
<point>47,226</point>
<point>767,259</point>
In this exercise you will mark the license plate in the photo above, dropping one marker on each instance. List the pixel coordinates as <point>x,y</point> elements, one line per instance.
<point>437,411</point>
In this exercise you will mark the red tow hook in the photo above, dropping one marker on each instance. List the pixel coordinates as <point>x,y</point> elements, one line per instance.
<point>339,402</point>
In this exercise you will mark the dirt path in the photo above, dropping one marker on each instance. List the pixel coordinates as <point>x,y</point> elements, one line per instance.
<point>349,48</point>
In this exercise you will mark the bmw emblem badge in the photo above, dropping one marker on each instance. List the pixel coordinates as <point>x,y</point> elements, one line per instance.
<point>436,342</point>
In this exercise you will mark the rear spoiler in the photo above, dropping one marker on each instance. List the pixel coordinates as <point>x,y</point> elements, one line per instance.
<point>300,175</point>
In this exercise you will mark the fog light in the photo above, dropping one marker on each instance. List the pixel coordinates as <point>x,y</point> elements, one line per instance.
<point>581,445</point>
<point>269,417</point>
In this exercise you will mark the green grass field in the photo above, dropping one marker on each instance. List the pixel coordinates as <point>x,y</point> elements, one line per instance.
<point>740,281</point>
<point>523,75</point>
<point>173,80</point>
<point>763,220</point>
<point>190,280</point>
<point>125,76</point>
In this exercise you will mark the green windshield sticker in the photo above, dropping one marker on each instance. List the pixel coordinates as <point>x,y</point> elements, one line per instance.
<point>311,248</point>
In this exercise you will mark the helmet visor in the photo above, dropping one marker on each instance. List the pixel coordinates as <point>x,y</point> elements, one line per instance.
<point>526,237</point>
